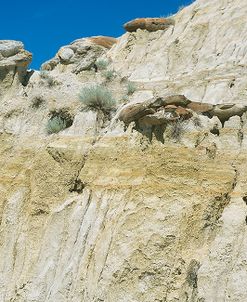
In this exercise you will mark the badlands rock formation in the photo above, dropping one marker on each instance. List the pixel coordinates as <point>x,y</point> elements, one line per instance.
<point>147,204</point>
<point>14,61</point>
<point>149,24</point>
<point>83,53</point>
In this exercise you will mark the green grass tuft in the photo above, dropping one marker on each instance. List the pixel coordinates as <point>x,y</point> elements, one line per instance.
<point>131,88</point>
<point>109,75</point>
<point>102,64</point>
<point>97,98</point>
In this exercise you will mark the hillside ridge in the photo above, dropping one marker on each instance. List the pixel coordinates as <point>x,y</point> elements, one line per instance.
<point>123,163</point>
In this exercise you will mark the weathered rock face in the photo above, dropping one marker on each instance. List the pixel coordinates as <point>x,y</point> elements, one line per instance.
<point>202,56</point>
<point>156,110</point>
<point>104,41</point>
<point>14,61</point>
<point>82,53</point>
<point>148,206</point>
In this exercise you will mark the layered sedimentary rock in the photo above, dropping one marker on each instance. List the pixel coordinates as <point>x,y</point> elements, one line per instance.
<point>203,56</point>
<point>147,204</point>
<point>14,61</point>
<point>181,107</point>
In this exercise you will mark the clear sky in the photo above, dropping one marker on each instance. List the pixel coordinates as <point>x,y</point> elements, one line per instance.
<point>46,25</point>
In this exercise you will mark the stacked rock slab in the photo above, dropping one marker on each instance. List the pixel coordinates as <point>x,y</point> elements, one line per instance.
<point>14,61</point>
<point>179,107</point>
<point>149,24</point>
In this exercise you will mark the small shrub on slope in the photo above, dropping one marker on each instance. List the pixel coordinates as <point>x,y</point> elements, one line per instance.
<point>97,98</point>
<point>177,129</point>
<point>109,75</point>
<point>101,64</point>
<point>55,124</point>
<point>48,79</point>
<point>131,88</point>
<point>37,101</point>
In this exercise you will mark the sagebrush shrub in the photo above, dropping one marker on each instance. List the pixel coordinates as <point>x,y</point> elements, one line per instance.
<point>44,74</point>
<point>102,64</point>
<point>131,88</point>
<point>197,122</point>
<point>55,124</point>
<point>37,101</point>
<point>125,98</point>
<point>97,98</point>
<point>109,74</point>
<point>47,78</point>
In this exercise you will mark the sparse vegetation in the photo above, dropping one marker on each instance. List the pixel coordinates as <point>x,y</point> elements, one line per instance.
<point>37,101</point>
<point>125,99</point>
<point>102,64</point>
<point>196,121</point>
<point>44,74</point>
<point>131,88</point>
<point>55,124</point>
<point>47,78</point>
<point>51,82</point>
<point>98,99</point>
<point>109,75</point>
<point>177,129</point>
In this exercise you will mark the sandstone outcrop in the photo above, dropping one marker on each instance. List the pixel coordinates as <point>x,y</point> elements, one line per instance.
<point>132,112</point>
<point>104,41</point>
<point>81,53</point>
<point>225,111</point>
<point>14,61</point>
<point>200,107</point>
<point>161,110</point>
<point>149,206</point>
<point>149,24</point>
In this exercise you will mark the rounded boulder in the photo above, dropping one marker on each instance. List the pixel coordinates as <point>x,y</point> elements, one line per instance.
<point>65,54</point>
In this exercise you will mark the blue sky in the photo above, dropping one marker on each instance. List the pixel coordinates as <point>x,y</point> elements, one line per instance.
<point>46,25</point>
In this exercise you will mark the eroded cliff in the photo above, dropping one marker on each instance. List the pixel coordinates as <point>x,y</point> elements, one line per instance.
<point>148,203</point>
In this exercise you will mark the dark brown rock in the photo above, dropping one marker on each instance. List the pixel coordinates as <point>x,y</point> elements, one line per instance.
<point>170,108</point>
<point>150,24</point>
<point>226,111</point>
<point>159,118</point>
<point>134,112</point>
<point>155,119</point>
<point>183,113</point>
<point>104,41</point>
<point>200,107</point>
<point>177,100</point>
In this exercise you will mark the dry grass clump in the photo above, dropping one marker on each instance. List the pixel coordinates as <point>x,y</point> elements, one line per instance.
<point>97,98</point>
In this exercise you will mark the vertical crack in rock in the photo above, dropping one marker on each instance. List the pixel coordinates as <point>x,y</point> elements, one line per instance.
<point>241,131</point>
<point>191,278</point>
<point>84,214</point>
<point>235,179</point>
